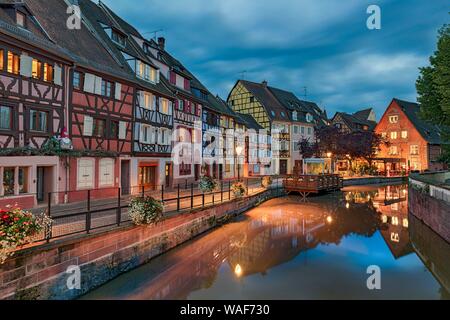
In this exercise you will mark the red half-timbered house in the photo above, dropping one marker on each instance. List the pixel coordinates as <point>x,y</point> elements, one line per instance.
<point>33,73</point>
<point>151,165</point>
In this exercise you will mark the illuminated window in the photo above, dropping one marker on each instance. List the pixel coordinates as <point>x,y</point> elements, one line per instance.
<point>13,63</point>
<point>414,150</point>
<point>393,150</point>
<point>8,181</point>
<point>404,134</point>
<point>394,135</point>
<point>48,72</point>
<point>2,59</point>
<point>393,119</point>
<point>36,69</point>
<point>384,135</point>
<point>23,180</point>
<point>164,107</point>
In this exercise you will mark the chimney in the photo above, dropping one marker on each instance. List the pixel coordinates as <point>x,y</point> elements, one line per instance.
<point>162,43</point>
<point>265,83</point>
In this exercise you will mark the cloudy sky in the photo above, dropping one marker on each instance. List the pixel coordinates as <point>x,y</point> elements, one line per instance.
<point>322,45</point>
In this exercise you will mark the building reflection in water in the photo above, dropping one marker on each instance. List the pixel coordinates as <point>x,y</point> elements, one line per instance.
<point>279,231</point>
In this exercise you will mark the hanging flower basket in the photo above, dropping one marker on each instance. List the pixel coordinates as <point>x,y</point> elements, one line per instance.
<point>239,189</point>
<point>266,182</point>
<point>18,228</point>
<point>207,184</point>
<point>145,210</point>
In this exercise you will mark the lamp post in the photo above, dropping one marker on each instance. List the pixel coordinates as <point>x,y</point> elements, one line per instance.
<point>239,150</point>
<point>330,156</point>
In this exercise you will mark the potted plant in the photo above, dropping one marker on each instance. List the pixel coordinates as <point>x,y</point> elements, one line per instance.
<point>266,182</point>
<point>239,189</point>
<point>145,210</point>
<point>18,228</point>
<point>207,184</point>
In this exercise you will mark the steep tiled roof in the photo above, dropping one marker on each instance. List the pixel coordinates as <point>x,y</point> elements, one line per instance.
<point>354,123</point>
<point>428,131</point>
<point>274,108</point>
<point>363,114</point>
<point>250,122</point>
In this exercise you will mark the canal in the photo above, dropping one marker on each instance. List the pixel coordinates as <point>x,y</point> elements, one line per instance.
<point>288,249</point>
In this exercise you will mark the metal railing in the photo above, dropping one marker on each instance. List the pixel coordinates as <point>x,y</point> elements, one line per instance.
<point>89,211</point>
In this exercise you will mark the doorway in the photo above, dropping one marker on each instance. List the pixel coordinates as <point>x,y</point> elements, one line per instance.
<point>125,177</point>
<point>283,167</point>
<point>169,174</point>
<point>147,177</point>
<point>44,183</point>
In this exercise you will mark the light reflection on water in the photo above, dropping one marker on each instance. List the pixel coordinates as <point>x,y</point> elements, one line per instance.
<point>287,249</point>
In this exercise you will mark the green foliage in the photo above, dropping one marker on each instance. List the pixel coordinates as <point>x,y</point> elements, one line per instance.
<point>145,210</point>
<point>207,184</point>
<point>433,88</point>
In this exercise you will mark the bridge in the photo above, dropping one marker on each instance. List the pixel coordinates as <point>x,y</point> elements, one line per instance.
<point>313,184</point>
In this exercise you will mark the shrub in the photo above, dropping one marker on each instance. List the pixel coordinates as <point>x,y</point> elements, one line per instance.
<point>17,228</point>
<point>239,189</point>
<point>266,182</point>
<point>145,210</point>
<point>207,184</point>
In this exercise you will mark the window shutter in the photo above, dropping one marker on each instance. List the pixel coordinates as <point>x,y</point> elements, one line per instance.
<point>154,99</point>
<point>152,135</point>
<point>88,126</point>
<point>98,85</point>
<point>170,108</point>
<point>89,82</point>
<point>26,63</point>
<point>58,75</point>
<point>157,76</point>
<point>118,92</point>
<point>122,130</point>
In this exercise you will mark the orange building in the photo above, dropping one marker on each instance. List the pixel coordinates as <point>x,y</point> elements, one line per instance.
<point>414,145</point>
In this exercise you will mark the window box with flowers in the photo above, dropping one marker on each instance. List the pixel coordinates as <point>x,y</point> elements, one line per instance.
<point>18,228</point>
<point>239,189</point>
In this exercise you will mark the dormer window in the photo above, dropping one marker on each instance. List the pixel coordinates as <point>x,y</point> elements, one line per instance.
<point>21,19</point>
<point>118,38</point>
<point>309,118</point>
<point>294,116</point>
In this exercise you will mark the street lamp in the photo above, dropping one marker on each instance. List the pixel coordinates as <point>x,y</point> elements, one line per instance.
<point>239,150</point>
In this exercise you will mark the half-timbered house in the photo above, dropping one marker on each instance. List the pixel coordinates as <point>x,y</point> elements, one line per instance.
<point>33,72</point>
<point>151,165</point>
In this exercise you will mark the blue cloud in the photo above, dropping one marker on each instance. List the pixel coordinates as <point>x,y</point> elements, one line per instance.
<point>322,45</point>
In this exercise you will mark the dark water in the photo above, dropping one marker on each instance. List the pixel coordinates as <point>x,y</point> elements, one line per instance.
<point>286,249</point>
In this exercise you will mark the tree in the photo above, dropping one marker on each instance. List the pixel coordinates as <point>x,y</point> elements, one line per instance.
<point>308,149</point>
<point>362,145</point>
<point>433,88</point>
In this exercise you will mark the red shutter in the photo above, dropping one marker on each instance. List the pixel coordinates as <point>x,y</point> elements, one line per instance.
<point>173,77</point>
<point>187,84</point>
<point>176,104</point>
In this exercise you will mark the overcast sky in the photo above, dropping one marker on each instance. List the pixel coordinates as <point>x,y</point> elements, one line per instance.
<point>322,45</point>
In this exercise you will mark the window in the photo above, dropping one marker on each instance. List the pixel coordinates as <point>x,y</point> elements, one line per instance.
<point>21,19</point>
<point>384,135</point>
<point>147,102</point>
<point>77,80</point>
<point>309,131</point>
<point>23,180</point>
<point>393,119</point>
<point>106,88</point>
<point>414,150</point>
<point>393,150</point>
<point>48,72</point>
<point>164,106</point>
<point>36,69</point>
<point>38,121</point>
<point>302,130</point>
<point>8,181</point>
<point>394,135</point>
<point>106,172</point>
<point>294,116</point>
<point>181,105</point>
<point>2,59</point>
<point>147,134</point>
<point>118,38</point>
<point>309,118</point>
<point>6,118</point>
<point>99,128</point>
<point>114,130</point>
<point>295,129</point>
<point>13,63</point>
<point>85,178</point>
<point>404,134</point>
